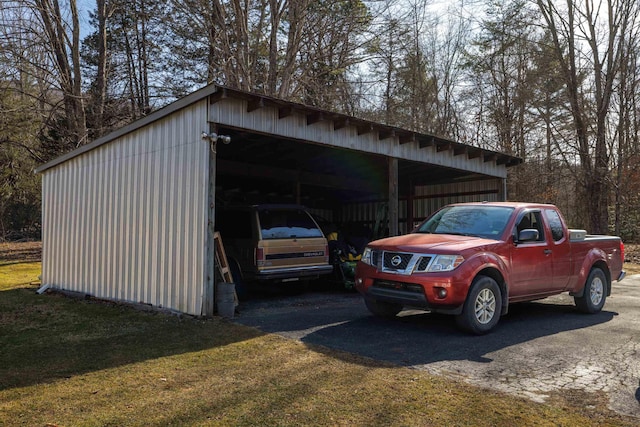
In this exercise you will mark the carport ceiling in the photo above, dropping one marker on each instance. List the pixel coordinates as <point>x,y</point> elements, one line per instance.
<point>266,165</point>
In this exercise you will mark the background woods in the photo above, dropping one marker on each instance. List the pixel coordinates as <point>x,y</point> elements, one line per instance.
<point>555,83</point>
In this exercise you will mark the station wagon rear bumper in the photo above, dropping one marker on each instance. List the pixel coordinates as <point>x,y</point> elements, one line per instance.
<point>292,273</point>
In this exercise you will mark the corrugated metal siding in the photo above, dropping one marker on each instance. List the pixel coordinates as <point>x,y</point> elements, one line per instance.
<point>430,198</point>
<point>427,200</point>
<point>368,214</point>
<point>127,220</point>
<point>233,112</point>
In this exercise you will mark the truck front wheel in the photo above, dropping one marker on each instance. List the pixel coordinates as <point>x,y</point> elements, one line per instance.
<point>482,308</point>
<point>381,308</point>
<point>594,294</point>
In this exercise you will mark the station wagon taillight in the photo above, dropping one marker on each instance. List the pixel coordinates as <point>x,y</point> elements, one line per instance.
<point>259,256</point>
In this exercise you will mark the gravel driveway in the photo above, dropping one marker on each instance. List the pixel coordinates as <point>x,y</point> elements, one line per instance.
<point>537,349</point>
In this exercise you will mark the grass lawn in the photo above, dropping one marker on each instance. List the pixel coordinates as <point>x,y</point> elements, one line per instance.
<point>67,362</point>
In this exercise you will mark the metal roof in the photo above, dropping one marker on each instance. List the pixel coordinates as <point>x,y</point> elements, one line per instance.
<point>313,115</point>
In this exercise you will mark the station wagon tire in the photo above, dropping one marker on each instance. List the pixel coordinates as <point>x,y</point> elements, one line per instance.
<point>483,307</point>
<point>382,308</point>
<point>595,292</point>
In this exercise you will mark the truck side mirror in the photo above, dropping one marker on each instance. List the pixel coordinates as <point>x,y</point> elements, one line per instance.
<point>528,235</point>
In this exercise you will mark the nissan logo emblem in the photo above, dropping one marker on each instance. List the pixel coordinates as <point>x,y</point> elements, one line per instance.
<point>396,260</point>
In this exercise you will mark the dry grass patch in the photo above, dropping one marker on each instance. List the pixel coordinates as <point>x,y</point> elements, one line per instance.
<point>69,362</point>
<point>72,362</point>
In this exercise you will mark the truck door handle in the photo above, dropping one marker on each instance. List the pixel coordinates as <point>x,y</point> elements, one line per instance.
<point>547,251</point>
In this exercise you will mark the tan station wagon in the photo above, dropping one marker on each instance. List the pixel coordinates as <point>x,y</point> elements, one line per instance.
<point>276,243</point>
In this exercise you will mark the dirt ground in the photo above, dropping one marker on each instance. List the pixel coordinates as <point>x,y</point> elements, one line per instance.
<point>20,252</point>
<point>632,258</point>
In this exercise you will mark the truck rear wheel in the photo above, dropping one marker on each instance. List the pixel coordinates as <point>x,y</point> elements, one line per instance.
<point>381,308</point>
<point>594,294</point>
<point>483,306</point>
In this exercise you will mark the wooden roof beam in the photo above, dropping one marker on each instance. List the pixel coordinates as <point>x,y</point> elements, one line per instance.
<point>365,129</point>
<point>314,118</point>
<point>426,142</point>
<point>460,149</point>
<point>255,104</point>
<point>502,160</point>
<point>443,146</point>
<point>386,133</point>
<point>218,96</point>
<point>340,123</point>
<point>490,157</point>
<point>406,138</point>
<point>285,111</point>
<point>474,153</point>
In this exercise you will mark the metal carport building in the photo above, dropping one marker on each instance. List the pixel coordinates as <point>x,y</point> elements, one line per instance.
<point>130,216</point>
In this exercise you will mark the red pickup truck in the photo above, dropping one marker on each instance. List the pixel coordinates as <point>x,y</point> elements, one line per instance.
<point>473,259</point>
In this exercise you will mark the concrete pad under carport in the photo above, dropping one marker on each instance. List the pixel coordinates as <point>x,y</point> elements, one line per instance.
<point>539,349</point>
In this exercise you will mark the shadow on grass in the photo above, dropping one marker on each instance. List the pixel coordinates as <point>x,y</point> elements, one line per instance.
<point>47,337</point>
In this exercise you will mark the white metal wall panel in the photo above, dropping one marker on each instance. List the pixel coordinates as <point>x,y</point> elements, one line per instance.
<point>127,220</point>
<point>233,112</point>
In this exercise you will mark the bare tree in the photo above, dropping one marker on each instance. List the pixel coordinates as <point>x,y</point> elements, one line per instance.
<point>62,40</point>
<point>101,78</point>
<point>627,139</point>
<point>43,39</point>
<point>503,63</point>
<point>587,39</point>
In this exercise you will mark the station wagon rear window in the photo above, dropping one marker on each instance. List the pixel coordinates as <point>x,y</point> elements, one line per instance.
<point>287,224</point>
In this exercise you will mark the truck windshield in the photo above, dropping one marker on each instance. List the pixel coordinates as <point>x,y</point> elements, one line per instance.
<point>480,221</point>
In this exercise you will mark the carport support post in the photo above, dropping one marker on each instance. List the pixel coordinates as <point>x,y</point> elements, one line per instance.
<point>209,290</point>
<point>393,196</point>
<point>410,195</point>
<point>502,192</point>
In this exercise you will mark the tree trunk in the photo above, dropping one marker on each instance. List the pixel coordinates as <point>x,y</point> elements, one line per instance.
<point>101,78</point>
<point>68,69</point>
<point>602,73</point>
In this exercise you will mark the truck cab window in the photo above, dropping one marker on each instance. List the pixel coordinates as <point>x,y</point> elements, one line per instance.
<point>555,224</point>
<point>532,220</point>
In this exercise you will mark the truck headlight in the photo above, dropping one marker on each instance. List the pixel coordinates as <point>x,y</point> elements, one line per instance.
<point>366,256</point>
<point>445,263</point>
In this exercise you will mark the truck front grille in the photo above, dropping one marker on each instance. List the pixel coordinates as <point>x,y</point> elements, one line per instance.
<point>424,263</point>
<point>404,263</point>
<point>396,260</point>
